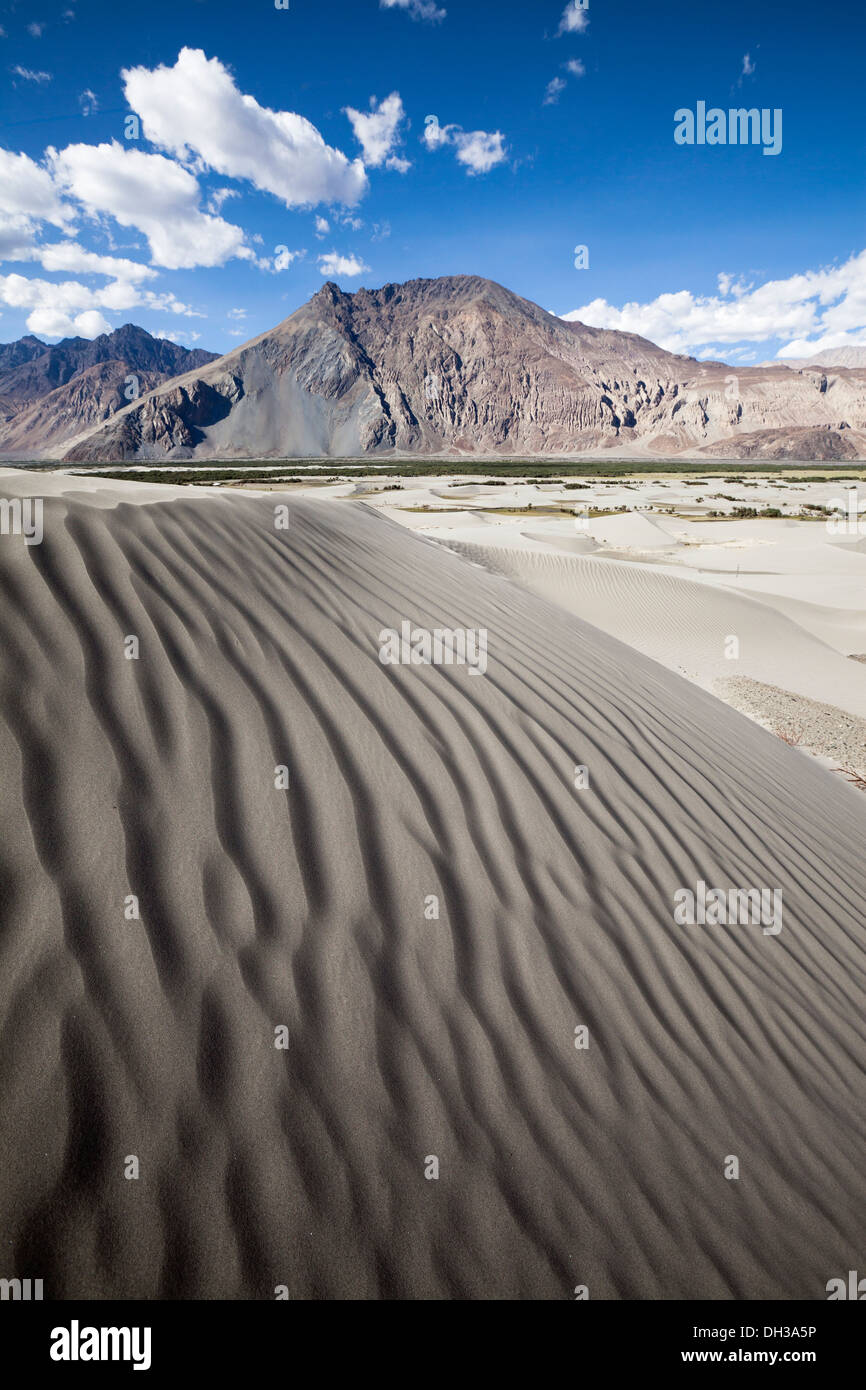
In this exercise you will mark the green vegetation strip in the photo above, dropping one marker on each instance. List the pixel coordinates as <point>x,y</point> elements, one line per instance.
<point>355,469</point>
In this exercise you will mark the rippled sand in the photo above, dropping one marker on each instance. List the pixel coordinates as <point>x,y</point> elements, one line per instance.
<point>408,1037</point>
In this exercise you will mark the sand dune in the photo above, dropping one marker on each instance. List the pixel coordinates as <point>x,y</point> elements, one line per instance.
<point>408,1037</point>
<point>685,623</point>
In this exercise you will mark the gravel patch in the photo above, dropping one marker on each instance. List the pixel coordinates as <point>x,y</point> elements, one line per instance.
<point>821,729</point>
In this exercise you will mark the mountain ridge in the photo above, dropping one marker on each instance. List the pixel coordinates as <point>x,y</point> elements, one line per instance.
<point>49,392</point>
<point>462,366</point>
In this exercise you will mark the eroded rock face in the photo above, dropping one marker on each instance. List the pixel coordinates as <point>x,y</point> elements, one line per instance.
<point>461,364</point>
<point>50,394</point>
<point>165,422</point>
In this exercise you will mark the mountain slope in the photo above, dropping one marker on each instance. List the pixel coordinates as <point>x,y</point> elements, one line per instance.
<point>461,364</point>
<point>49,394</point>
<point>831,357</point>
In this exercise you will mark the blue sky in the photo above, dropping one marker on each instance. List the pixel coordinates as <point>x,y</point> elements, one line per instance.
<point>245,142</point>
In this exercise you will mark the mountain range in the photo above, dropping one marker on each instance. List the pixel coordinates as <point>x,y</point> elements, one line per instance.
<point>48,394</point>
<point>829,357</point>
<point>448,367</point>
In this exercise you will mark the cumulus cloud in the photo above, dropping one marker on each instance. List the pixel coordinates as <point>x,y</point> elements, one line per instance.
<point>436,135</point>
<point>88,102</point>
<point>323,227</point>
<point>86,325</point>
<point>347,266</point>
<point>28,189</point>
<point>195,111</point>
<point>54,309</point>
<point>575,67</point>
<point>218,196</point>
<point>748,66</point>
<point>418,9</point>
<point>152,194</point>
<point>70,307</point>
<point>812,310</point>
<point>284,257</point>
<point>377,130</point>
<point>574,18</point>
<point>35,30</point>
<point>478,150</point>
<point>69,256</point>
<point>28,198</point>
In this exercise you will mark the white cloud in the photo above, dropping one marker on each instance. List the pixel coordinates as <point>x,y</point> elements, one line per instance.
<point>555,87</point>
<point>28,189</point>
<point>153,194</point>
<point>89,102</point>
<point>87,325</point>
<point>729,285</point>
<point>218,196</point>
<point>70,307</point>
<point>195,111</point>
<point>748,67</point>
<point>284,257</point>
<point>377,130</point>
<point>35,30</point>
<point>69,256</point>
<point>816,309</point>
<point>237,313</point>
<point>418,9</point>
<point>55,310</point>
<point>436,135</point>
<point>335,264</point>
<point>180,338</point>
<point>574,18</point>
<point>323,226</point>
<point>27,199</point>
<point>478,150</point>
<point>30,76</point>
